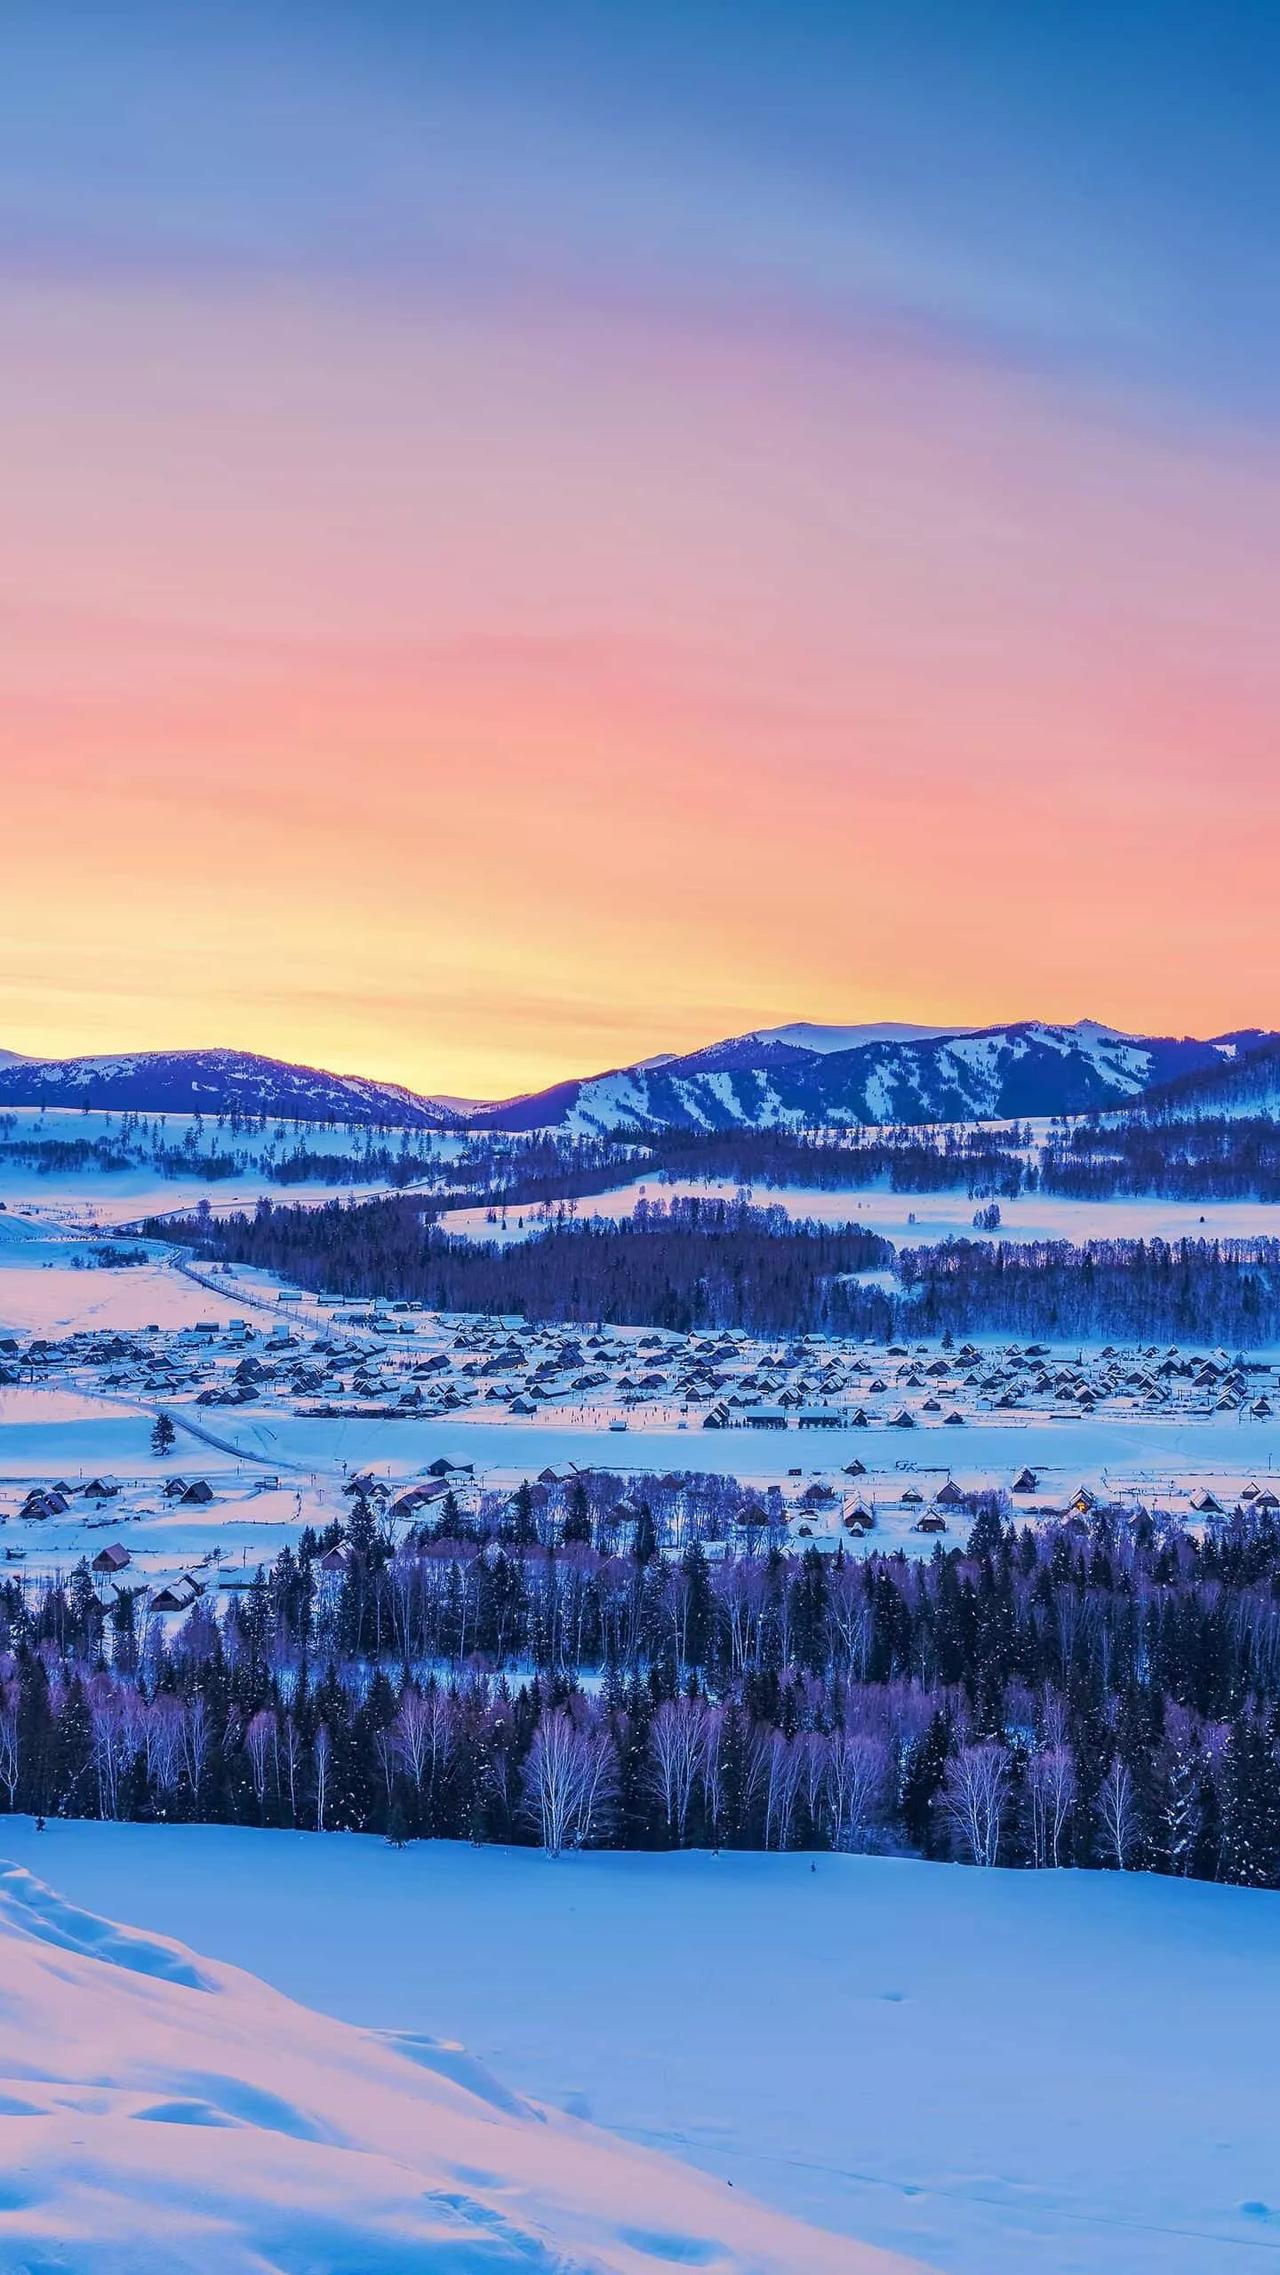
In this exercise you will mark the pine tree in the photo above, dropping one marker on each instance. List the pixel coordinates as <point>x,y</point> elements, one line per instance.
<point>524,1525</point>
<point>986,1534</point>
<point>577,1522</point>
<point>700,1607</point>
<point>71,1784</point>
<point>38,1736</point>
<point>1180,1810</point>
<point>645,1547</point>
<point>735,1784</point>
<point>1250,1810</point>
<point>925,1768</point>
<point>809,1612</point>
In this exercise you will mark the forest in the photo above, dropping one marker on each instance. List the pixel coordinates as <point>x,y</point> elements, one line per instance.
<point>287,1159</point>
<point>1098,1691</point>
<point>1147,1291</point>
<point>1118,1156</point>
<point>1089,1157</point>
<point>705,1262</point>
<point>1204,1160</point>
<point>692,1263</point>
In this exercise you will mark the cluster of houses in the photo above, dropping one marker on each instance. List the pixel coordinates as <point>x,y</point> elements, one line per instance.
<point>178,1595</point>
<point>110,1564</point>
<point>906,1387</point>
<point>402,1361</point>
<point>395,1361</point>
<point>811,1383</point>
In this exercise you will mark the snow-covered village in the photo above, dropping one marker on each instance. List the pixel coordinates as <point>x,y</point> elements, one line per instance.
<point>639,1138</point>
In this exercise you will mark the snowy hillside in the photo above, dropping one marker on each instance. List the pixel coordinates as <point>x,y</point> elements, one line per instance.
<point>166,2113</point>
<point>1246,1081</point>
<point>216,1082</point>
<point>757,1081</point>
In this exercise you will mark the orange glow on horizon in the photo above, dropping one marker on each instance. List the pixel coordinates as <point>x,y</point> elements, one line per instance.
<point>479,702</point>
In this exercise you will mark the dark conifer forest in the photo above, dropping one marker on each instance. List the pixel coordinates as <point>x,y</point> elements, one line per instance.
<point>572,1667</point>
<point>695,1263</point>
<point>714,1263</point>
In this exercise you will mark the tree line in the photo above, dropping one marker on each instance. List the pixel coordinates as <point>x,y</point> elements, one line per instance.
<point>703,1262</point>
<point>1143,1291</point>
<point>1100,1692</point>
<point>1214,1159</point>
<point>691,1263</point>
<point>1109,1157</point>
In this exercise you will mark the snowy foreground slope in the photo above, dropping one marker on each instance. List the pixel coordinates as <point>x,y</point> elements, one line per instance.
<point>160,2112</point>
<point>989,2072</point>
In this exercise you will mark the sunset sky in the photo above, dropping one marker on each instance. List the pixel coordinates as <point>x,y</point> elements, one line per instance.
<point>535,535</point>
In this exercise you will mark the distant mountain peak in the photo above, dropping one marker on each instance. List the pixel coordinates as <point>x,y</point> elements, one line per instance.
<point>811,1035</point>
<point>215,1081</point>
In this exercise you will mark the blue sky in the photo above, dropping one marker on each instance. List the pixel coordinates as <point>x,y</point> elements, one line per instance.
<point>1095,188</point>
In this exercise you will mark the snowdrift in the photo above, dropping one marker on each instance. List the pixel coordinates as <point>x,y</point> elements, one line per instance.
<point>164,2113</point>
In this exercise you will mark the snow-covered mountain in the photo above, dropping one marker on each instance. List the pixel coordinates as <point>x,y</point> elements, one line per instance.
<point>762,1080</point>
<point>798,1074</point>
<point>807,1035</point>
<point>214,1082</point>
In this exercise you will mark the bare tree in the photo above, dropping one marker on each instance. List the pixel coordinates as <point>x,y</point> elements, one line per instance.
<point>570,1781</point>
<point>857,1778</point>
<point>291,1750</point>
<point>421,1738</point>
<point>258,1739</point>
<point>163,1734</point>
<point>116,1728</point>
<point>676,1749</point>
<point>740,1591</point>
<point>849,1618</point>
<point>10,1698</point>
<point>813,1748</point>
<point>1117,1812</point>
<point>195,1740</point>
<point>323,1752</point>
<point>781,1784</point>
<point>1051,1795</point>
<point>974,1794</point>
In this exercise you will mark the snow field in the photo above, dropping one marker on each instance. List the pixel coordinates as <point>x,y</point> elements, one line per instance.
<point>991,2072</point>
<point>167,2113</point>
<point>910,1220</point>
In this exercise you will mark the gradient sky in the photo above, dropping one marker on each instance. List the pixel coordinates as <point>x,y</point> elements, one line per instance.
<point>535,535</point>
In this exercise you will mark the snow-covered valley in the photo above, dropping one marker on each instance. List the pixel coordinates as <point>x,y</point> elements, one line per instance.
<point>980,2071</point>
<point>278,1398</point>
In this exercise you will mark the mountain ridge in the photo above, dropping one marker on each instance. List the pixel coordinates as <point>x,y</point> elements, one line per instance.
<point>217,1080</point>
<point>890,1073</point>
<point>1023,1068</point>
